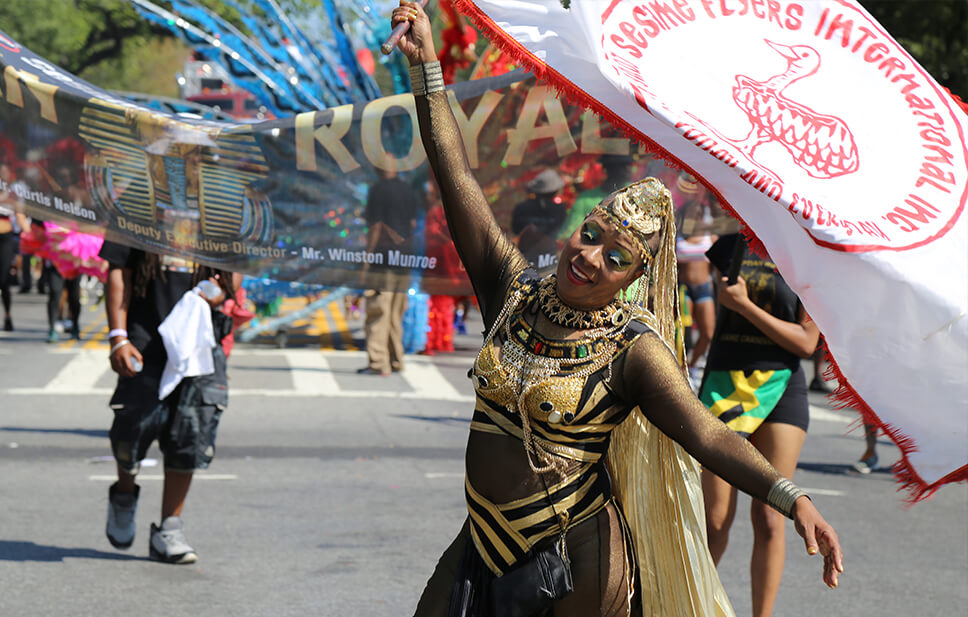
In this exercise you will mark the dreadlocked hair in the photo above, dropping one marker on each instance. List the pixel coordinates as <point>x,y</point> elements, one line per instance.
<point>149,268</point>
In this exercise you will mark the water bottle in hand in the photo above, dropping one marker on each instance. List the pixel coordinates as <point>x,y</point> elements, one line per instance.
<point>209,289</point>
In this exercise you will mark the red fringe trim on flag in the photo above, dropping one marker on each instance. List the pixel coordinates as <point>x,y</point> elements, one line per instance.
<point>911,482</point>
<point>845,396</point>
<point>957,99</point>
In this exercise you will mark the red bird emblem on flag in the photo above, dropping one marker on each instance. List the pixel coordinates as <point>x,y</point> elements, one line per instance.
<point>822,145</point>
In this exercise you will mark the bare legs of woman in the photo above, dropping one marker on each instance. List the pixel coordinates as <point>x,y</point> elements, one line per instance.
<point>780,444</point>
<point>868,461</point>
<point>704,321</point>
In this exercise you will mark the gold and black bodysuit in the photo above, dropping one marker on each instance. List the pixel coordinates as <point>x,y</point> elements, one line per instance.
<point>573,417</point>
<point>570,415</point>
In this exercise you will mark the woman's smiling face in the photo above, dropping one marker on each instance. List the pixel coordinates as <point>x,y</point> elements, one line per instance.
<point>595,263</point>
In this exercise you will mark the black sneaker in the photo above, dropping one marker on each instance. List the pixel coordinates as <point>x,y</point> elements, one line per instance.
<point>819,385</point>
<point>369,370</point>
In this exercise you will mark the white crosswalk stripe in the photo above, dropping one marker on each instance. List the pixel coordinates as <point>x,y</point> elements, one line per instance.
<point>309,370</point>
<point>83,371</point>
<point>825,415</point>
<point>310,373</point>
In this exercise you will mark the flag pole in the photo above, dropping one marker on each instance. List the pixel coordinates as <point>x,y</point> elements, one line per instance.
<point>401,28</point>
<point>739,251</point>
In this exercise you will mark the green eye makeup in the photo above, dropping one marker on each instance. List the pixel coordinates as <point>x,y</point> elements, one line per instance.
<point>619,258</point>
<point>590,232</point>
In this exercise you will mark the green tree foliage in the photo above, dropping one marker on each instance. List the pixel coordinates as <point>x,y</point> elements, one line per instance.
<point>104,41</point>
<point>935,32</point>
<point>76,34</point>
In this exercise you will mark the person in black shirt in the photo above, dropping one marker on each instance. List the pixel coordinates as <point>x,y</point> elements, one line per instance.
<point>12,221</point>
<point>537,221</point>
<point>391,210</point>
<point>754,383</point>
<point>142,288</point>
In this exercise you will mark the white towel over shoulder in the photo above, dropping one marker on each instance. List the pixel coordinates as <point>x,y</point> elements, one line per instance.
<point>189,339</point>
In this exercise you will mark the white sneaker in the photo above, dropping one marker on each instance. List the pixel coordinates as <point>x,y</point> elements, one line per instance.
<point>121,510</point>
<point>168,543</point>
<point>865,465</point>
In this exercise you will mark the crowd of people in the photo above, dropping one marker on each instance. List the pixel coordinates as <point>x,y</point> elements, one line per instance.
<point>32,250</point>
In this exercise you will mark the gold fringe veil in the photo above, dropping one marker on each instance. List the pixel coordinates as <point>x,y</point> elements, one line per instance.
<point>656,483</point>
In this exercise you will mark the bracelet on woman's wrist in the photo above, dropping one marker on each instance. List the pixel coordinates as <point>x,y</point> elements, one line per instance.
<point>426,78</point>
<point>118,346</point>
<point>783,494</point>
<point>118,332</point>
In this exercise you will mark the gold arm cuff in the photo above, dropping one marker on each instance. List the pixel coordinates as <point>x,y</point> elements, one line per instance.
<point>783,494</point>
<point>426,78</point>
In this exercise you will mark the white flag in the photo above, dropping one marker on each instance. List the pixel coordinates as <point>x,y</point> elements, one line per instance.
<point>839,152</point>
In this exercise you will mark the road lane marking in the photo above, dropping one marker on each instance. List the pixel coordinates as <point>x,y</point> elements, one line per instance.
<point>141,477</point>
<point>79,374</point>
<point>427,381</point>
<point>311,374</point>
<point>823,491</point>
<point>310,370</point>
<point>823,415</point>
<point>238,392</point>
<point>433,475</point>
<point>342,328</point>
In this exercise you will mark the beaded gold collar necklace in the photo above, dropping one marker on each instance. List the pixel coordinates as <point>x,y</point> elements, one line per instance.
<point>568,317</point>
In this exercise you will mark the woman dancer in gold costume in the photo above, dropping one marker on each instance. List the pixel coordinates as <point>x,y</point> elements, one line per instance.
<point>582,492</point>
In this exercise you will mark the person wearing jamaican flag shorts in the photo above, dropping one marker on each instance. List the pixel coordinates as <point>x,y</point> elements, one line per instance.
<point>754,383</point>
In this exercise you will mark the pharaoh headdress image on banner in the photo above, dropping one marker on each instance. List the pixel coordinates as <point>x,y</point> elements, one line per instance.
<point>152,172</point>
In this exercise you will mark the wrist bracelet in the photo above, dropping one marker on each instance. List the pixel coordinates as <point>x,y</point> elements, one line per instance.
<point>426,78</point>
<point>118,346</point>
<point>118,332</point>
<point>783,494</point>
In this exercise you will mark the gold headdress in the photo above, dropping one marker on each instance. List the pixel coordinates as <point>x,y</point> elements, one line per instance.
<point>654,479</point>
<point>641,210</point>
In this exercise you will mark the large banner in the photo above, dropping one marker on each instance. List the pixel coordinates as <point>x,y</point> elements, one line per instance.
<point>335,197</point>
<point>842,155</point>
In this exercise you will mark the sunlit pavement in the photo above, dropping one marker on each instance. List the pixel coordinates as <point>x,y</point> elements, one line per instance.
<point>334,493</point>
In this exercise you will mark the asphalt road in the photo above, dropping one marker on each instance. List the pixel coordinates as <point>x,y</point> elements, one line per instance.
<point>333,494</point>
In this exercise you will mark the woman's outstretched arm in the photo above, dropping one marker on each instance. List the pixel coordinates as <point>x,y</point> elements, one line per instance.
<point>490,259</point>
<point>652,379</point>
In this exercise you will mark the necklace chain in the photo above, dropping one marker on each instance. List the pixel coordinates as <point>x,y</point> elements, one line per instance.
<point>563,315</point>
<point>530,369</point>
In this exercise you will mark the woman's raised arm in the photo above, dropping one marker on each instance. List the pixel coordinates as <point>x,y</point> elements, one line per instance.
<point>490,259</point>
